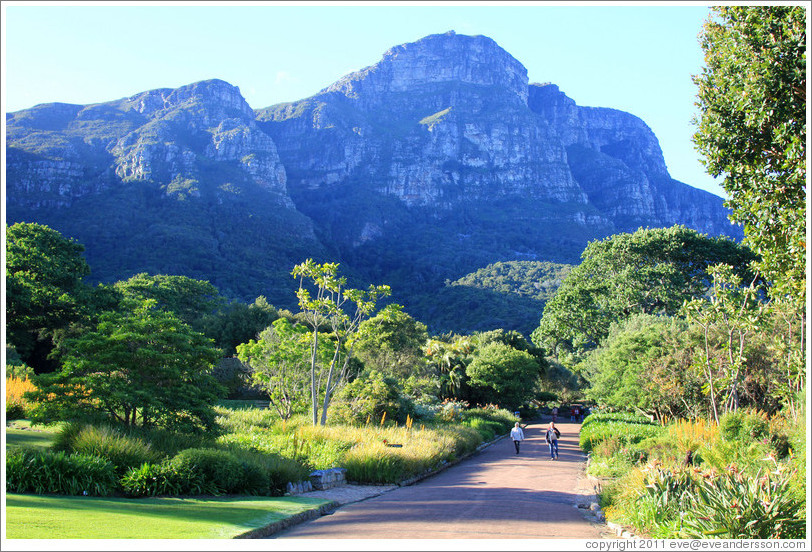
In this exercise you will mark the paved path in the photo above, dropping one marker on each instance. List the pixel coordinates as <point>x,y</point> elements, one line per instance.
<point>494,494</point>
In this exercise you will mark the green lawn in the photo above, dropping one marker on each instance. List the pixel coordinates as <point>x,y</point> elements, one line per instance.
<point>22,433</point>
<point>61,517</point>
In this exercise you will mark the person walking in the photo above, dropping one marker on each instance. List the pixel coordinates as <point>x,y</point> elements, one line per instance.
<point>551,437</point>
<point>555,413</point>
<point>517,435</point>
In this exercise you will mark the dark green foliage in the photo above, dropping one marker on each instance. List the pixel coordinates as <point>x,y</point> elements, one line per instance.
<point>508,295</point>
<point>268,473</point>
<point>620,370</point>
<point>392,342</point>
<point>220,469</point>
<point>235,377</point>
<point>15,410</point>
<point>534,279</point>
<point>752,130</point>
<point>165,479</point>
<point>44,289</point>
<point>745,426</point>
<point>46,472</point>
<point>502,375</point>
<point>488,422</point>
<point>238,323</point>
<point>241,240</point>
<point>189,299</point>
<point>140,366</point>
<point>211,471</point>
<point>627,428</point>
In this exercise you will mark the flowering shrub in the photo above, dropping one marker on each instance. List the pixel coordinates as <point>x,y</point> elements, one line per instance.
<point>16,404</point>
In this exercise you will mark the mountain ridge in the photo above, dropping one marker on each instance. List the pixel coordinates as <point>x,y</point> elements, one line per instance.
<point>436,161</point>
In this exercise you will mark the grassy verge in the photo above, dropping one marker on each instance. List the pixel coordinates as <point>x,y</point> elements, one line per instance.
<point>61,517</point>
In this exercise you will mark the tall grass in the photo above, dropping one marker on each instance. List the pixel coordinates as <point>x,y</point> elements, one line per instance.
<point>377,451</point>
<point>104,441</point>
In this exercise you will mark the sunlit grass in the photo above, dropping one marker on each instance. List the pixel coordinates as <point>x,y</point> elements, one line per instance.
<point>59,517</point>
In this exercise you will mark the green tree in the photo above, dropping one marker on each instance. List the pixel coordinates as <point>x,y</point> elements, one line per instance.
<point>238,323</point>
<point>279,361</point>
<point>752,130</point>
<point>650,271</point>
<point>191,300</point>
<point>44,289</point>
<point>391,342</point>
<point>729,318</point>
<point>140,366</point>
<point>327,308</point>
<point>503,375</point>
<point>620,369</point>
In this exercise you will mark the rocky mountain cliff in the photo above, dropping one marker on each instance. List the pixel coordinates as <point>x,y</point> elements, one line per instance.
<point>438,160</point>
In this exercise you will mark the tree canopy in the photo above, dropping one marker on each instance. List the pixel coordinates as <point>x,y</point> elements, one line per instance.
<point>140,366</point>
<point>650,271</point>
<point>190,299</point>
<point>752,130</point>
<point>391,342</point>
<point>44,288</point>
<point>500,374</point>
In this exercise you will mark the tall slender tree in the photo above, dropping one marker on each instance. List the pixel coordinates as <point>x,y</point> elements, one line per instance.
<point>338,309</point>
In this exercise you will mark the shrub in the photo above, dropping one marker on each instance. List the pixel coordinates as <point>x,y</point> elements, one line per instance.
<point>220,468</point>
<point>15,410</point>
<point>268,473</point>
<point>630,430</point>
<point>650,499</point>
<point>47,472</point>
<point>371,398</point>
<point>122,451</point>
<point>488,429</point>
<point>165,479</point>
<point>742,425</point>
<point>451,410</point>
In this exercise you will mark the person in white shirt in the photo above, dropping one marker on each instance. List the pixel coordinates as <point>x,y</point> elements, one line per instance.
<point>517,435</point>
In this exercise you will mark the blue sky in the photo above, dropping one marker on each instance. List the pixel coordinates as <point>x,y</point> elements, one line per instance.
<point>637,57</point>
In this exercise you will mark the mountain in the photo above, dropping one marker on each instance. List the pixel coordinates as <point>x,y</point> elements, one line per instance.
<point>435,162</point>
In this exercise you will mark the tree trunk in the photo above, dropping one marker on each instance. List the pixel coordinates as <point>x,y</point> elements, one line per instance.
<point>328,391</point>
<point>314,396</point>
